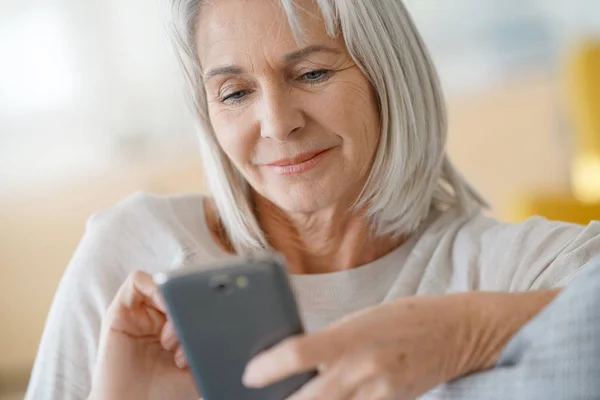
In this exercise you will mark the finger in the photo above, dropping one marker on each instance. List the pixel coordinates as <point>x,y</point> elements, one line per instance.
<point>379,388</point>
<point>140,288</point>
<point>168,337</point>
<point>180,358</point>
<point>340,380</point>
<point>293,356</point>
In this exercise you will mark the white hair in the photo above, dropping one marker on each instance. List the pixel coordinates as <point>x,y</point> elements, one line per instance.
<point>411,171</point>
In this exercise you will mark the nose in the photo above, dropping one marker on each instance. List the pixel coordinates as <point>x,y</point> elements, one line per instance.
<point>279,115</point>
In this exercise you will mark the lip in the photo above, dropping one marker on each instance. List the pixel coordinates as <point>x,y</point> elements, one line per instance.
<point>298,164</point>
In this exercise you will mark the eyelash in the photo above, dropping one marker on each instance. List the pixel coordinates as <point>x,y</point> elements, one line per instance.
<point>324,75</point>
<point>230,97</point>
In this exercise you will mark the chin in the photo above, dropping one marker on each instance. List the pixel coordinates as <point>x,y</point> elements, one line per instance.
<point>303,198</point>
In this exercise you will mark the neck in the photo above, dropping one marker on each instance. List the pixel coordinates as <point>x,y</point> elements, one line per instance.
<point>325,241</point>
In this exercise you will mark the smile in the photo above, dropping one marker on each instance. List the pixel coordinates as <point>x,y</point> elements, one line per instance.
<point>301,163</point>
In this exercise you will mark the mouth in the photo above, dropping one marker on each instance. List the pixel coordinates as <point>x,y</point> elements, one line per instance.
<point>298,164</point>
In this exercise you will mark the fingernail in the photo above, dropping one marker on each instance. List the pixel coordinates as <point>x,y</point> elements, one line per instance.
<point>180,361</point>
<point>165,339</point>
<point>160,302</point>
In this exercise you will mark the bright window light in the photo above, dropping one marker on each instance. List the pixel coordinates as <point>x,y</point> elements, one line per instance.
<point>35,67</point>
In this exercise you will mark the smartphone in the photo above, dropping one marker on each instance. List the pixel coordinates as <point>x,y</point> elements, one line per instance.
<point>227,314</point>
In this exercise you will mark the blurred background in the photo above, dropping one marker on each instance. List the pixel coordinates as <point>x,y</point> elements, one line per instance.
<point>92,109</point>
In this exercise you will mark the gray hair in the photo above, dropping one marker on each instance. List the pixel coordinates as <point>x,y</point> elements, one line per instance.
<point>411,171</point>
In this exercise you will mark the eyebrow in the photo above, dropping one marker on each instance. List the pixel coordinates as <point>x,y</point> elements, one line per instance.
<point>288,58</point>
<point>226,70</point>
<point>305,52</point>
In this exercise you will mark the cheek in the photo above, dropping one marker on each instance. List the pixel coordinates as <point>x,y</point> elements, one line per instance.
<point>236,136</point>
<point>350,111</point>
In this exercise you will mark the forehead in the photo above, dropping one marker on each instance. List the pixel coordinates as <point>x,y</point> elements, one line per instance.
<point>230,30</point>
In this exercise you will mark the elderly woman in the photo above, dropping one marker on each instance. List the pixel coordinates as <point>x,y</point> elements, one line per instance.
<point>322,133</point>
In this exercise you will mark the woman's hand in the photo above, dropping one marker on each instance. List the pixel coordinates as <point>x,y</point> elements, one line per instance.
<point>400,350</point>
<point>139,355</point>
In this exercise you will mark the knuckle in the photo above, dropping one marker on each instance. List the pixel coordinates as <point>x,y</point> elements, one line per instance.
<point>374,364</point>
<point>342,377</point>
<point>132,277</point>
<point>168,337</point>
<point>137,276</point>
<point>329,389</point>
<point>385,388</point>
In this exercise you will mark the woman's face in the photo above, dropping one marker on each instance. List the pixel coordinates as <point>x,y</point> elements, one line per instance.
<point>300,122</point>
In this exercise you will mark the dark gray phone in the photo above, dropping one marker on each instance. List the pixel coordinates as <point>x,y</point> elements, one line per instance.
<point>226,315</point>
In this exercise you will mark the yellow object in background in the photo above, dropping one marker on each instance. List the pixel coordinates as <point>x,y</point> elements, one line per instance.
<point>582,205</point>
<point>556,207</point>
<point>584,102</point>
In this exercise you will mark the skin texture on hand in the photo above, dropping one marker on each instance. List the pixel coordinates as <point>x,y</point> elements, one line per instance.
<point>398,350</point>
<point>403,349</point>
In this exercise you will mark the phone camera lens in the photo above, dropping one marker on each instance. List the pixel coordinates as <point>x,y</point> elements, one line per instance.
<point>221,284</point>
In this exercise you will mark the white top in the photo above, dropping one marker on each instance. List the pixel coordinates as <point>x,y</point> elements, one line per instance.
<point>450,253</point>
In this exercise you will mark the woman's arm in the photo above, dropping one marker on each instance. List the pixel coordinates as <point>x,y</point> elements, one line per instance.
<point>495,318</point>
<point>403,349</point>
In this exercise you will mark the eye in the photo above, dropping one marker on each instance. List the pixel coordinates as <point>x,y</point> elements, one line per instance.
<point>235,96</point>
<point>316,76</point>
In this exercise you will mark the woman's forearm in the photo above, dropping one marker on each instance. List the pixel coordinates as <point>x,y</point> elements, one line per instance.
<point>494,318</point>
